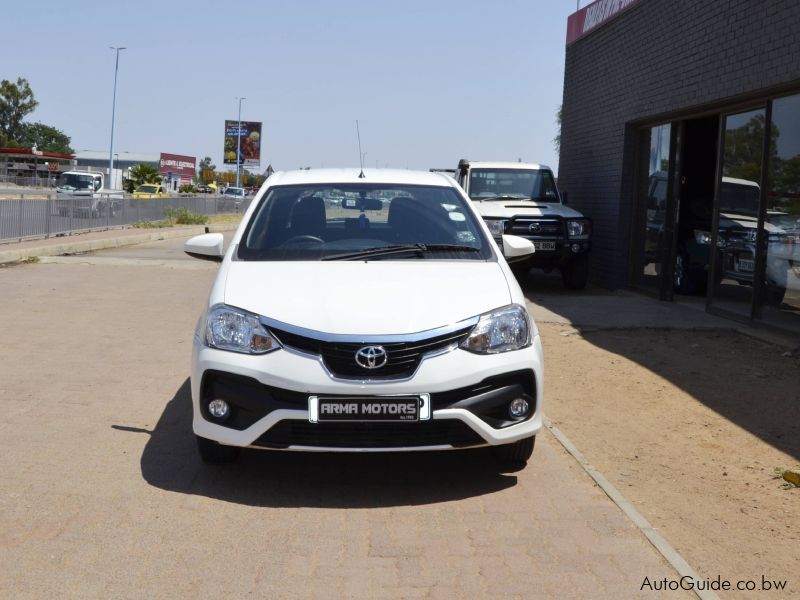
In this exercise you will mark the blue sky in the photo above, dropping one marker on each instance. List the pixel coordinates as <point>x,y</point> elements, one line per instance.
<point>430,82</point>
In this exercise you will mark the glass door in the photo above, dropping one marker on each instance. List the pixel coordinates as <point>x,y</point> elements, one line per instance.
<point>652,241</point>
<point>780,235</point>
<point>736,214</point>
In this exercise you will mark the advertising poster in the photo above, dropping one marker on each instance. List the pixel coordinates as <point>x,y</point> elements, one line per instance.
<point>250,146</point>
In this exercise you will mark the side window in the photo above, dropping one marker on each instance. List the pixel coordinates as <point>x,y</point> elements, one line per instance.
<point>548,186</point>
<point>96,183</point>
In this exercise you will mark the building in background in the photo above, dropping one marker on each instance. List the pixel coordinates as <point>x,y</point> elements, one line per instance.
<point>176,170</point>
<point>32,167</point>
<point>97,160</point>
<point>680,138</point>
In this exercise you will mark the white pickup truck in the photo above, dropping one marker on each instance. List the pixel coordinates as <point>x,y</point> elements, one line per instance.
<point>84,194</point>
<point>522,199</point>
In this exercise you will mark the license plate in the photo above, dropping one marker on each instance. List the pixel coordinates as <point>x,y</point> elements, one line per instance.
<point>544,245</point>
<point>402,408</point>
<point>745,265</point>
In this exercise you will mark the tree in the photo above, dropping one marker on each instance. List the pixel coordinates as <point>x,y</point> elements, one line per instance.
<point>45,138</point>
<point>143,173</point>
<point>16,101</point>
<point>206,171</point>
<point>557,139</point>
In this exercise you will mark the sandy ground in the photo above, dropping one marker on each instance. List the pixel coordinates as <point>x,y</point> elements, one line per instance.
<point>690,427</point>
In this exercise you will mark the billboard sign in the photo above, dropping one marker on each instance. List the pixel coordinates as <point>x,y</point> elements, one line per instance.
<point>181,166</point>
<point>250,145</point>
<point>592,16</point>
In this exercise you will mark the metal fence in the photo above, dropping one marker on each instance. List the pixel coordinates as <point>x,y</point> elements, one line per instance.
<point>38,215</point>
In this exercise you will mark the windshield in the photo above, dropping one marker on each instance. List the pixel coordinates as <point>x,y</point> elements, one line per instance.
<point>75,181</point>
<point>739,198</point>
<point>369,221</point>
<point>235,192</point>
<point>524,184</point>
<point>149,189</point>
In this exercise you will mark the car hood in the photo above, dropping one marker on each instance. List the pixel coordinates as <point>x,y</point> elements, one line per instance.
<point>511,208</point>
<point>367,298</point>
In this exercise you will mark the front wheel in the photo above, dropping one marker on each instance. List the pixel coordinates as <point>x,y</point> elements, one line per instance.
<point>575,274</point>
<point>215,453</point>
<point>516,453</point>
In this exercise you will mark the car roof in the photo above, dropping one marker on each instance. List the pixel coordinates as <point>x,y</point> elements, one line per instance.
<point>381,176</point>
<point>506,165</point>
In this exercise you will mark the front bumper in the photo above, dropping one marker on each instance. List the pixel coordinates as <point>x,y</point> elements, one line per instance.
<point>269,397</point>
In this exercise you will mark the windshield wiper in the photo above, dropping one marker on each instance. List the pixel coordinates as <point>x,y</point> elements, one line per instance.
<point>401,249</point>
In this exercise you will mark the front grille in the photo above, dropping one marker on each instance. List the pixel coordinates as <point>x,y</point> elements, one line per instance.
<point>369,435</point>
<point>530,227</point>
<point>403,358</point>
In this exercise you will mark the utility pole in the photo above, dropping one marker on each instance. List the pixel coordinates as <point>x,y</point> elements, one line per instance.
<point>110,181</point>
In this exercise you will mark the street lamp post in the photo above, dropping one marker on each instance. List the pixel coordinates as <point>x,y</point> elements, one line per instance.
<point>239,143</point>
<point>113,111</point>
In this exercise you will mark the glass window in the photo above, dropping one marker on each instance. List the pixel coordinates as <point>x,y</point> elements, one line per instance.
<point>782,223</point>
<point>502,184</point>
<point>739,194</point>
<point>654,206</point>
<point>386,222</point>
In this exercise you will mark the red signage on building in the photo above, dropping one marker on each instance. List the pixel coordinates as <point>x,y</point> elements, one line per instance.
<point>590,17</point>
<point>180,166</point>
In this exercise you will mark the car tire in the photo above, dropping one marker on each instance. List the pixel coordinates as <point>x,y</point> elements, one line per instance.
<point>774,295</point>
<point>214,453</point>
<point>516,454</point>
<point>683,281</point>
<point>575,274</point>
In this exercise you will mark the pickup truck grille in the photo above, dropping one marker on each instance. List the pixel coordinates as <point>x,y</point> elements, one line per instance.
<point>537,227</point>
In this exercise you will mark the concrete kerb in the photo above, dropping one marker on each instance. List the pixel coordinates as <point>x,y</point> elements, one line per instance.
<point>76,246</point>
<point>658,541</point>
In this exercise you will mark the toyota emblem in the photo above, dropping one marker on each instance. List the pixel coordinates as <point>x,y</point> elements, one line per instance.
<point>534,228</point>
<point>371,357</point>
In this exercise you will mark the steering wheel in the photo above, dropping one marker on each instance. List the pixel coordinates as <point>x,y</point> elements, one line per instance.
<point>300,239</point>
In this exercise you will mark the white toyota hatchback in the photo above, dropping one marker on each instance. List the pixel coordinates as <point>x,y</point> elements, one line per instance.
<point>364,311</point>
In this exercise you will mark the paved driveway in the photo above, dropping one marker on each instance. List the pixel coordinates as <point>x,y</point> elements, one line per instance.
<point>102,494</point>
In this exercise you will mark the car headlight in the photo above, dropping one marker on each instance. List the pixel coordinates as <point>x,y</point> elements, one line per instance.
<point>702,237</point>
<point>501,330</point>
<point>497,227</point>
<point>579,229</point>
<point>233,329</point>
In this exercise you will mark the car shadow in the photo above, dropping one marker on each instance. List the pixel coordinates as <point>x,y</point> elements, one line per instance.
<point>298,479</point>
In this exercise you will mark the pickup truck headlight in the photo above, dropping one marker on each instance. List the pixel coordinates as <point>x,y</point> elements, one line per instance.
<point>579,229</point>
<point>233,329</point>
<point>497,227</point>
<point>501,330</point>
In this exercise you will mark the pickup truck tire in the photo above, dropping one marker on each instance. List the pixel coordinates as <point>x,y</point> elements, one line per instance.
<point>575,274</point>
<point>213,453</point>
<point>516,454</point>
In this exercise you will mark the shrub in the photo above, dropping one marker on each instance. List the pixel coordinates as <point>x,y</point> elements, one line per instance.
<point>183,216</point>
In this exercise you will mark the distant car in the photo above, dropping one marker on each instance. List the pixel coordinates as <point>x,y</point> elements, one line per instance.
<point>235,192</point>
<point>203,189</point>
<point>150,190</point>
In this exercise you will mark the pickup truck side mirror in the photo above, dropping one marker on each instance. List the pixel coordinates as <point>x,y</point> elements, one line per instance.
<point>564,197</point>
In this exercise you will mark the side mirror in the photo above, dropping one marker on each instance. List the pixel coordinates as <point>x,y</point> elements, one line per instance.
<point>206,247</point>
<point>564,197</point>
<point>516,248</point>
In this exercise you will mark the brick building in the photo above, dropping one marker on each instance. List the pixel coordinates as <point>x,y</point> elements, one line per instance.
<point>681,140</point>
